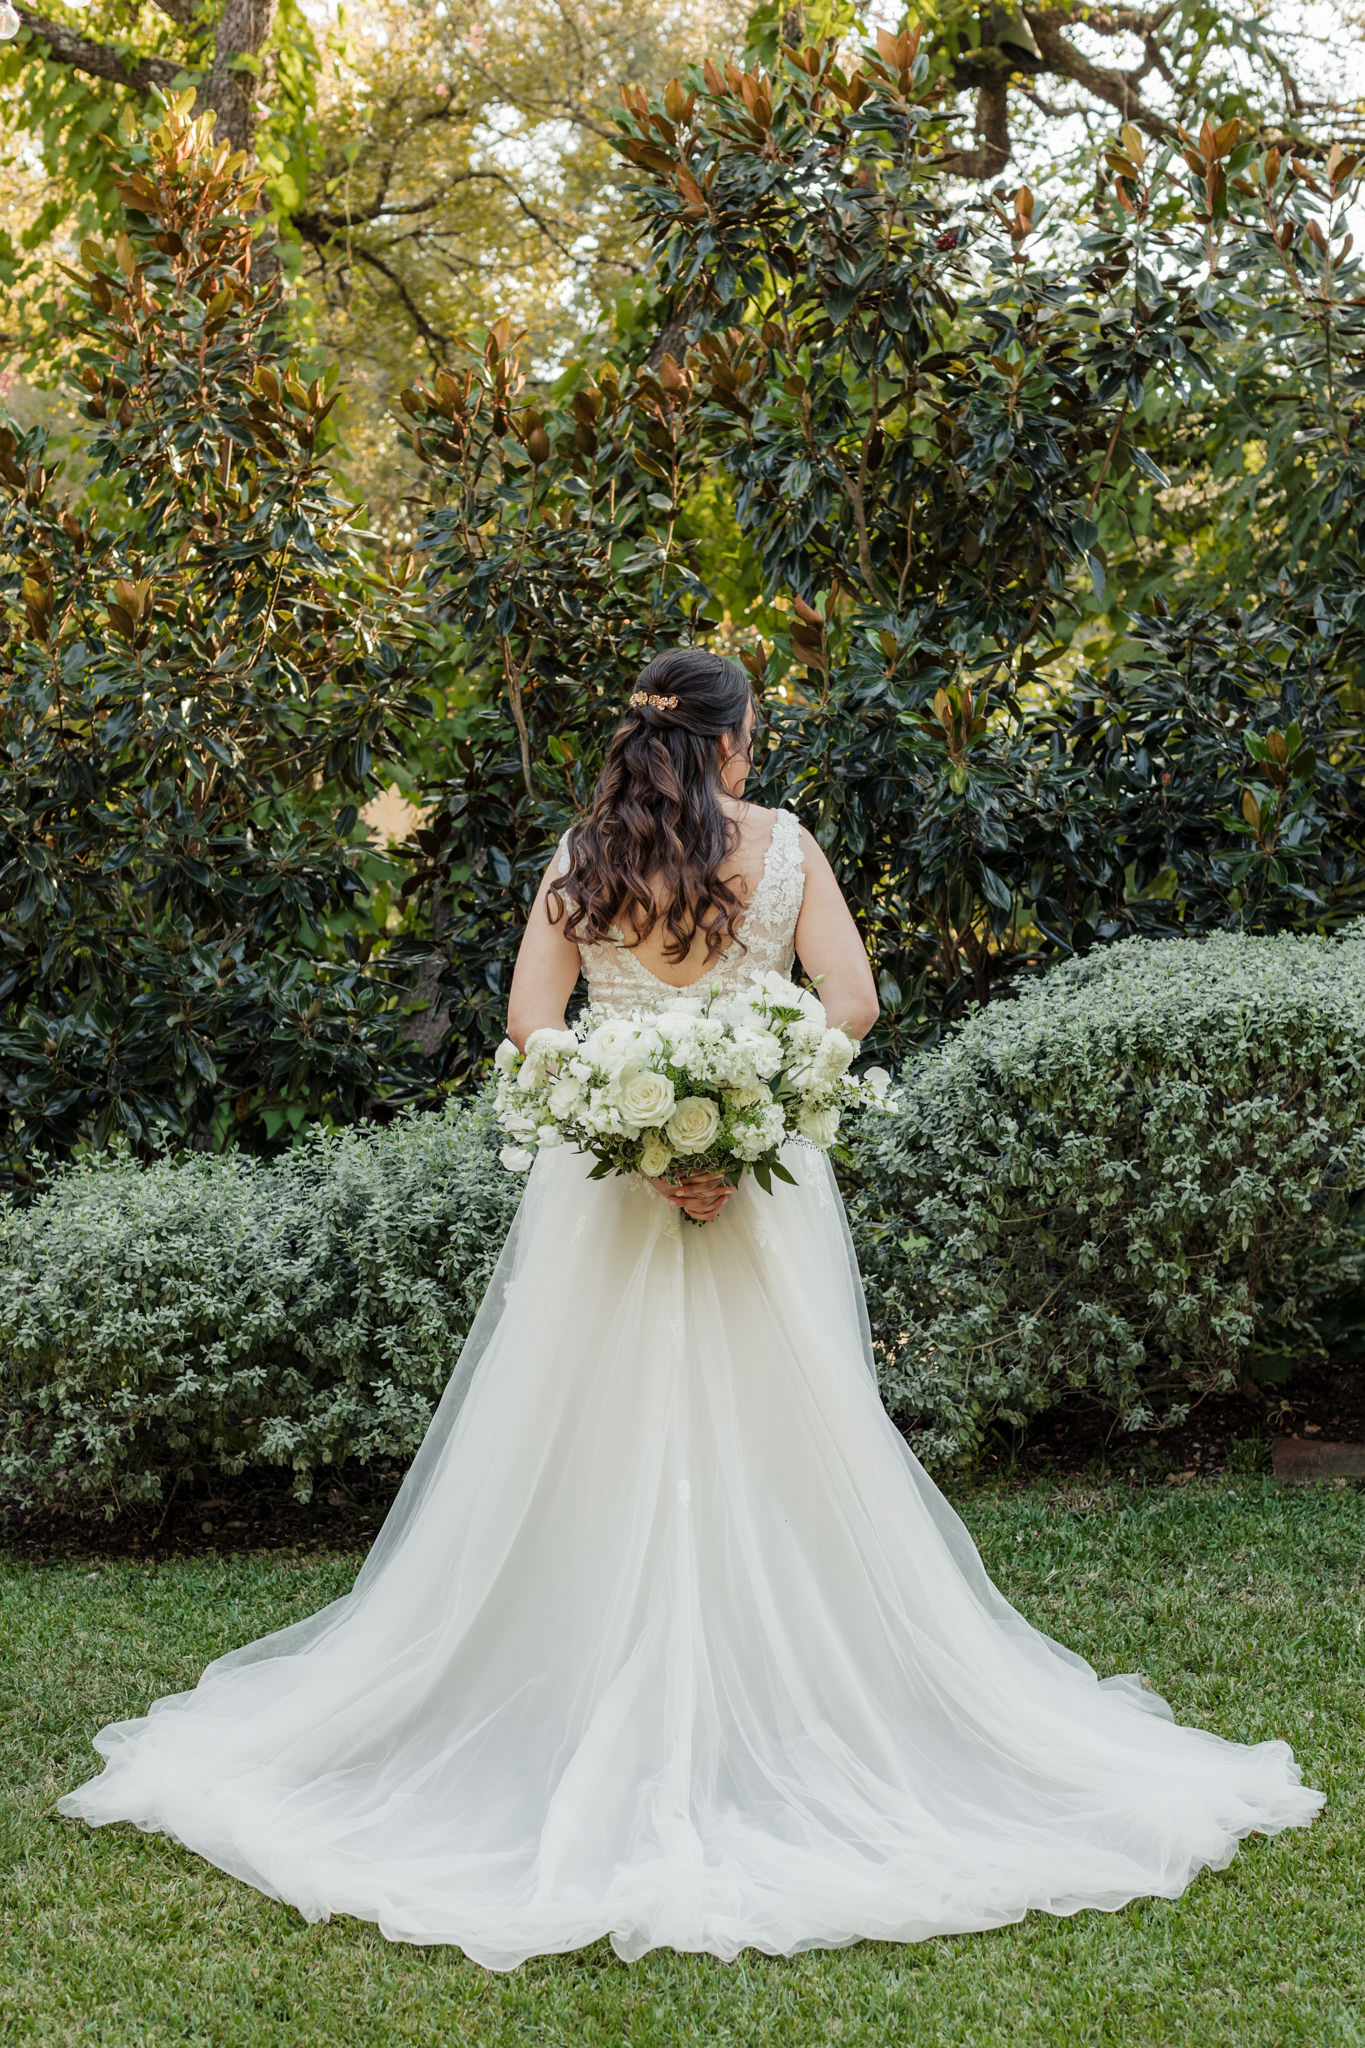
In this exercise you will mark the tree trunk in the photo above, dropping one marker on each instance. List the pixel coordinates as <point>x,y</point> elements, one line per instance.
<point>230,90</point>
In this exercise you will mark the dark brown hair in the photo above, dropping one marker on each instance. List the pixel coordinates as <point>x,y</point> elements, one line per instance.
<point>656,830</point>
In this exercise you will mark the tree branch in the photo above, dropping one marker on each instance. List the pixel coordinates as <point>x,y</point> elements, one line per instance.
<point>993,152</point>
<point>1117,89</point>
<point>96,60</point>
<point>186,12</point>
<point>438,344</point>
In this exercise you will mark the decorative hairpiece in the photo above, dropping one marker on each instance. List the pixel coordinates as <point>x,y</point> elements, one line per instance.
<point>656,703</point>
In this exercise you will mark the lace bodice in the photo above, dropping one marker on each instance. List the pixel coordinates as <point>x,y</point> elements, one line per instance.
<point>619,981</point>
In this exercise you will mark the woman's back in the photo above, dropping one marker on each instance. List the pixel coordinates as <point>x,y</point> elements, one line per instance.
<point>766,871</point>
<point>672,881</point>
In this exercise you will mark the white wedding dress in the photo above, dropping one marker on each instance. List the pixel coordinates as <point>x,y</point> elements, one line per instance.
<point>669,1638</point>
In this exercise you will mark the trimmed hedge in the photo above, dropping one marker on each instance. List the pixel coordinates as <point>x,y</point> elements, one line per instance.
<point>1126,1180</point>
<point>1136,1178</point>
<point>224,1312</point>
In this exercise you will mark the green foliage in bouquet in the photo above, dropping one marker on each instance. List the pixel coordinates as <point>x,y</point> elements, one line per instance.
<point>199,673</point>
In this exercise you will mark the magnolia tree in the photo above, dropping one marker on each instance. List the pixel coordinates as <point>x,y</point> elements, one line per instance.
<point>199,674</point>
<point>937,446</point>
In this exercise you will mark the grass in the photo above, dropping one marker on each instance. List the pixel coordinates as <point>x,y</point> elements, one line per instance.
<point>1241,1602</point>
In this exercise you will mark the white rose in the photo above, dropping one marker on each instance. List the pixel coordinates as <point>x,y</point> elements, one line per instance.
<point>655,1157</point>
<point>693,1124</point>
<point>645,1097</point>
<point>879,1081</point>
<point>821,1126</point>
<point>516,1158</point>
<point>506,1057</point>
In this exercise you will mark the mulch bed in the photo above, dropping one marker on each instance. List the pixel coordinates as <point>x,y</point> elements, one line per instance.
<point>1226,1432</point>
<point>1229,1433</point>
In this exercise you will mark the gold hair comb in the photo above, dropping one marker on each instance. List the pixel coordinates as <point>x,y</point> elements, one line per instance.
<point>656,703</point>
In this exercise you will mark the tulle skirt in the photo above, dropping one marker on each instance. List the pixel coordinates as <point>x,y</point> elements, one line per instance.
<point>668,1637</point>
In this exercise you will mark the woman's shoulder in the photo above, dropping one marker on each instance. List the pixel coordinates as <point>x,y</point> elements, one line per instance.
<point>765,818</point>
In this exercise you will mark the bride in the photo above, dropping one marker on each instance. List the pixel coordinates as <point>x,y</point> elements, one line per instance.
<point>667,1636</point>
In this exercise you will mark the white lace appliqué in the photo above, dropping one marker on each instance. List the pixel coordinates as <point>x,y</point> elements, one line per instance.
<point>619,981</point>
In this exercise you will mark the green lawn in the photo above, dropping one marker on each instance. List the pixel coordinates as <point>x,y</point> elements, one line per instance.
<point>1242,1603</point>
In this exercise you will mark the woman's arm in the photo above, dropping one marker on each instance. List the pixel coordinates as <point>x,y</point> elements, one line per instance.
<point>830,950</point>
<point>545,973</point>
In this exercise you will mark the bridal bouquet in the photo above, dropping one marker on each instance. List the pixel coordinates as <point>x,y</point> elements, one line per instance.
<point>707,1085</point>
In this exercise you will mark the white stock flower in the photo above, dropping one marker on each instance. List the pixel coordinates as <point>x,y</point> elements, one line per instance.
<point>549,1135</point>
<point>516,1158</point>
<point>655,1156</point>
<point>821,1126</point>
<point>645,1097</point>
<point>762,1050</point>
<point>693,1125</point>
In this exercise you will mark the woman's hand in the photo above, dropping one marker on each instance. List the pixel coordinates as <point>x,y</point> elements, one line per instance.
<point>701,1196</point>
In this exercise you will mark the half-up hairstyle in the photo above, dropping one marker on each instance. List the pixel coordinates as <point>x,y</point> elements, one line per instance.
<point>656,831</point>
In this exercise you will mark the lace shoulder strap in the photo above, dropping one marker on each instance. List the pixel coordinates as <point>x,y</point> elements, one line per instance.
<point>770,924</point>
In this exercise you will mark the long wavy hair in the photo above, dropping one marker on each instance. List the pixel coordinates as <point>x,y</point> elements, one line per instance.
<point>656,833</point>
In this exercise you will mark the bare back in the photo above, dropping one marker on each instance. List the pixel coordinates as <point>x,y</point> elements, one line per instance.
<point>743,872</point>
